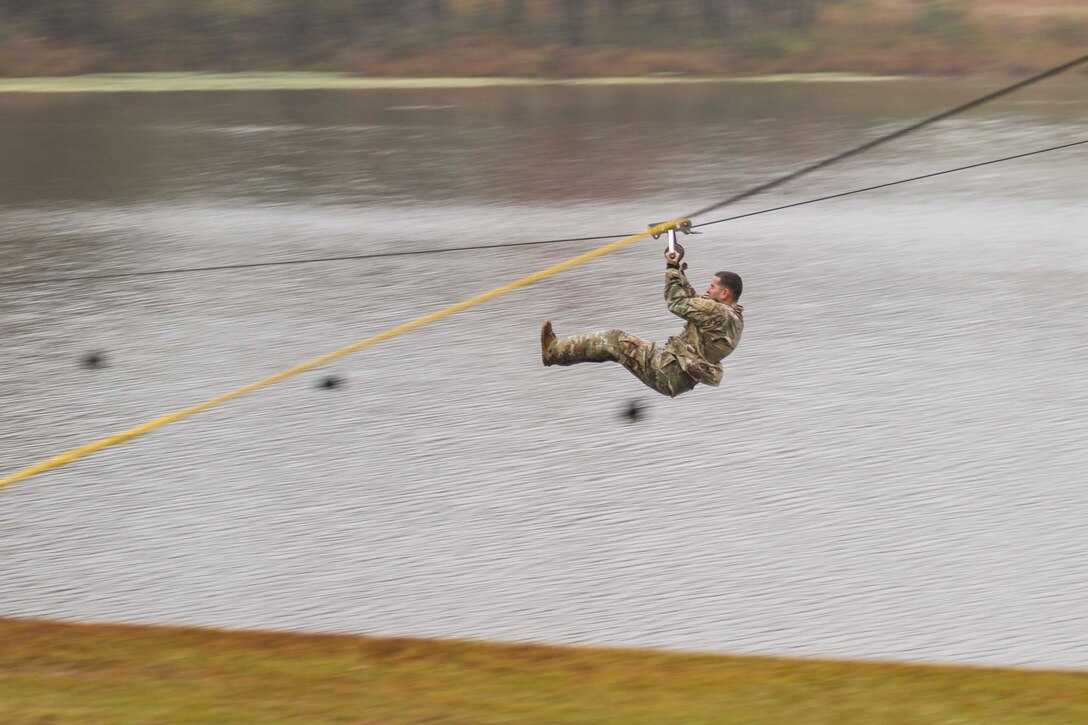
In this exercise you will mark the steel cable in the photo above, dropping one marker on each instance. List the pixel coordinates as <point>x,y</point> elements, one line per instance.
<point>485,247</point>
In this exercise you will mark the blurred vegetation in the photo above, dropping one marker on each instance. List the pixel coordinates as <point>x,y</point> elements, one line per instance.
<point>521,37</point>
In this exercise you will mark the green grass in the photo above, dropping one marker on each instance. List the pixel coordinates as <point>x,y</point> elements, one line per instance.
<point>87,674</point>
<point>191,81</point>
<point>196,81</point>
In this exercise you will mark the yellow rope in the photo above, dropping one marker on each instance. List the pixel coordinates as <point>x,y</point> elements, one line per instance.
<point>139,430</point>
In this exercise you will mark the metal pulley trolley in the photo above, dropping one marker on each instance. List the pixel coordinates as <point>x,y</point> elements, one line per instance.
<point>684,225</point>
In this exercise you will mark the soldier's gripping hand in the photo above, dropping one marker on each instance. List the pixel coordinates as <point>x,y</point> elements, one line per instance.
<point>672,259</point>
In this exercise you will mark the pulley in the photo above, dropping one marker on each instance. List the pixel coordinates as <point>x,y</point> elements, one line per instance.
<point>674,246</point>
<point>684,225</point>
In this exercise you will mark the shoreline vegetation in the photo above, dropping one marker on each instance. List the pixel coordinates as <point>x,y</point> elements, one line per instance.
<point>541,39</point>
<point>88,673</point>
<point>152,82</point>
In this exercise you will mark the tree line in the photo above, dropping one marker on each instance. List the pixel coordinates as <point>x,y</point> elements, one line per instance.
<point>290,26</point>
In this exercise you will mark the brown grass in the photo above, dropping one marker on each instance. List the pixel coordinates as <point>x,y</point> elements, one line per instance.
<point>86,674</point>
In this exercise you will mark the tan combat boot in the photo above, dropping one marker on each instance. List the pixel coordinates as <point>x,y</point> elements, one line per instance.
<point>547,344</point>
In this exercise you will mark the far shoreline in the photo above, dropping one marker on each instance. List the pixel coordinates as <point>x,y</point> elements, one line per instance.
<point>168,82</point>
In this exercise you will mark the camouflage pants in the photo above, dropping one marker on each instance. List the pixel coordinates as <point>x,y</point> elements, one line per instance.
<point>654,366</point>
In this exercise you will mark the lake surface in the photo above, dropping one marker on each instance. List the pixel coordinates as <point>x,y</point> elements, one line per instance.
<point>894,467</point>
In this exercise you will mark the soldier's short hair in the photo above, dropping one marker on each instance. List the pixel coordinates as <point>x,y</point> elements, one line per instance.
<point>732,281</point>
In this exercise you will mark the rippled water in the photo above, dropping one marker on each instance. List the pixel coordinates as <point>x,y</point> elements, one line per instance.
<point>894,467</point>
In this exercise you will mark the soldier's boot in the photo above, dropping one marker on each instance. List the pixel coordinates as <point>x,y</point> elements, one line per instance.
<point>576,349</point>
<point>547,343</point>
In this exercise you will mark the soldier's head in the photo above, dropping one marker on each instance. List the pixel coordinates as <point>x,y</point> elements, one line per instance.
<point>725,287</point>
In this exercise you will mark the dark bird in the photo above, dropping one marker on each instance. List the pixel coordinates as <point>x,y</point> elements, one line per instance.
<point>634,411</point>
<point>330,381</point>
<point>93,360</point>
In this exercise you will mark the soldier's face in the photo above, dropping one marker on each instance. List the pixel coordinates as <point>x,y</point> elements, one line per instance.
<point>717,291</point>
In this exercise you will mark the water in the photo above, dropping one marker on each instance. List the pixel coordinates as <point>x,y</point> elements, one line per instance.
<point>893,468</point>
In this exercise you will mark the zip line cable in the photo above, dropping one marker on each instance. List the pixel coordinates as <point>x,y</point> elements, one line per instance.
<point>288,262</point>
<point>892,136</point>
<point>72,455</point>
<point>891,183</point>
<point>656,230</point>
<point>485,247</point>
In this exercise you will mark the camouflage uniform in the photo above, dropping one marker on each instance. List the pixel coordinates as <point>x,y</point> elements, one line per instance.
<point>712,331</point>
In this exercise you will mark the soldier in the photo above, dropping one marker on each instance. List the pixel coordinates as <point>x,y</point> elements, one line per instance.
<point>712,330</point>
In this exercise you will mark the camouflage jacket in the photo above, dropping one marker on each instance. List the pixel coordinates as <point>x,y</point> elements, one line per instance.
<point>712,330</point>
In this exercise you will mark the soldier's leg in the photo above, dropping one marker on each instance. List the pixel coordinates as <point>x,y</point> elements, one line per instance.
<point>652,366</point>
<point>667,375</point>
<point>656,368</point>
<point>596,347</point>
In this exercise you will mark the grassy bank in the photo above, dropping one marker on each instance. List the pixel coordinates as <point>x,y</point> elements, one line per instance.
<point>175,82</point>
<point>64,673</point>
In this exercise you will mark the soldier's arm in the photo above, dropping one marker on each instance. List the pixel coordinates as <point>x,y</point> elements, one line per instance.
<point>683,302</point>
<point>676,284</point>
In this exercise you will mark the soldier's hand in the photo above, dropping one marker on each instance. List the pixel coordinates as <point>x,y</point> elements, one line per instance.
<point>672,259</point>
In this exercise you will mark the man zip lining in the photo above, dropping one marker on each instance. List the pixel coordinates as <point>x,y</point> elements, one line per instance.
<point>712,329</point>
